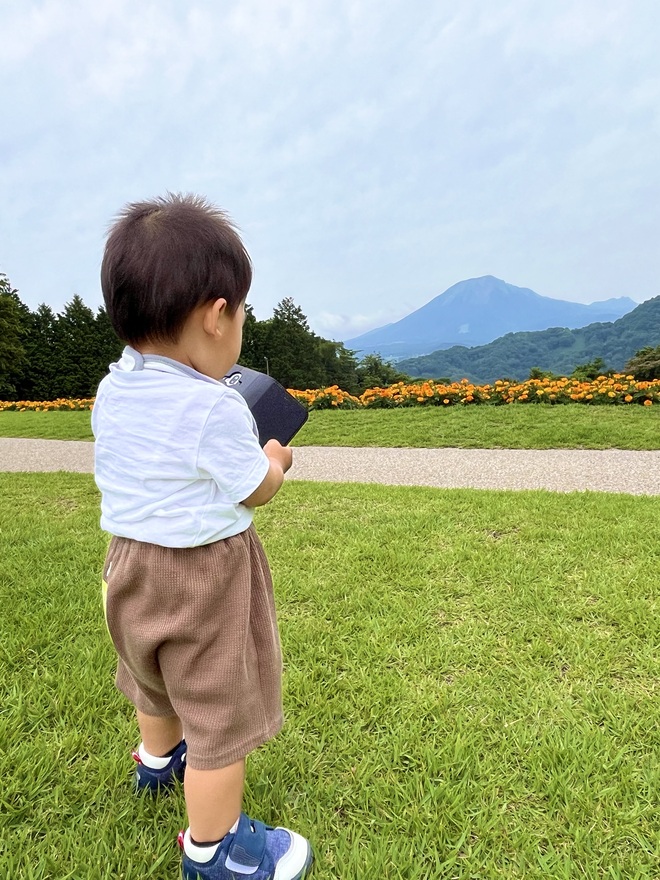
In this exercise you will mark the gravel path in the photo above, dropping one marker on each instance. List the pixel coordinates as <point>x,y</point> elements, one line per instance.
<point>560,470</point>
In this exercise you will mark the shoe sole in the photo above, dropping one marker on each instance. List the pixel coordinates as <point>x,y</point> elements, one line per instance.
<point>309,859</point>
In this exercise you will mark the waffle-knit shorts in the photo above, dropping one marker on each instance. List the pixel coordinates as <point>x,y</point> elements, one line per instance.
<point>196,634</point>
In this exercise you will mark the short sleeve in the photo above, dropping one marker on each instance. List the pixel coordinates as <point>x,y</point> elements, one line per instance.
<point>229,450</point>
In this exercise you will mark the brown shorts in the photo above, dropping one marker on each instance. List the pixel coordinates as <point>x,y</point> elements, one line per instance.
<point>196,634</point>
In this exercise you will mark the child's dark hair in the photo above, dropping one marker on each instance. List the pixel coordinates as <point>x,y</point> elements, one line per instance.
<point>163,259</point>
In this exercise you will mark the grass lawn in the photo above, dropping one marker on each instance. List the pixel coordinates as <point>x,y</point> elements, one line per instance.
<point>471,686</point>
<point>537,426</point>
<point>74,425</point>
<point>508,427</point>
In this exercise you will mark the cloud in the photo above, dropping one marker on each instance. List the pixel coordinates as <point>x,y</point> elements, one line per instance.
<point>347,326</point>
<point>373,153</point>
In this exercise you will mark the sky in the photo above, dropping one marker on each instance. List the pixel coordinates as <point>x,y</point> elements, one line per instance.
<point>371,152</point>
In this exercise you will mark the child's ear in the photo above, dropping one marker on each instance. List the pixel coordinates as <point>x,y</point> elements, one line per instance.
<point>214,313</point>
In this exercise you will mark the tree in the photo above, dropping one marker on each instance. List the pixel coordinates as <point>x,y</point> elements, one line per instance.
<point>591,370</point>
<point>292,349</point>
<point>40,379</point>
<point>285,347</point>
<point>339,365</point>
<point>74,353</point>
<point>12,350</point>
<point>108,347</point>
<point>374,372</point>
<point>645,364</point>
<point>252,350</point>
<point>538,373</point>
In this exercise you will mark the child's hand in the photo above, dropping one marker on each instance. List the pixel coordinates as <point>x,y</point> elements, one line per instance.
<point>281,454</point>
<point>280,458</point>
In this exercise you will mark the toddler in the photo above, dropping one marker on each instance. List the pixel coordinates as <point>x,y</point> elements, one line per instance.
<point>187,589</point>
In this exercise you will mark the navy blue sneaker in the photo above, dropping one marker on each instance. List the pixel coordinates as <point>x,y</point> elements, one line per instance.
<point>148,779</point>
<point>256,850</point>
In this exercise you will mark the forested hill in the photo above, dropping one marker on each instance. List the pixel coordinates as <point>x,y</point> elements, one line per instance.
<point>557,350</point>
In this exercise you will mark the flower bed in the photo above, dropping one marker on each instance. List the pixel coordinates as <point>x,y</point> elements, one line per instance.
<point>618,389</point>
<point>46,406</point>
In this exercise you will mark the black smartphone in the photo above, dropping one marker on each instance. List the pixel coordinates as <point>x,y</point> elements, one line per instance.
<point>279,416</point>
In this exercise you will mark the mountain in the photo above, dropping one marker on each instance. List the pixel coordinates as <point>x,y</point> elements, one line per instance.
<point>476,312</point>
<point>558,350</point>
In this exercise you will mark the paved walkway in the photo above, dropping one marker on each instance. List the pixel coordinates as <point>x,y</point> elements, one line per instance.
<point>559,470</point>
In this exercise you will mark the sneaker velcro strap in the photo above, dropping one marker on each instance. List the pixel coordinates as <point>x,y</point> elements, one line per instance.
<point>249,843</point>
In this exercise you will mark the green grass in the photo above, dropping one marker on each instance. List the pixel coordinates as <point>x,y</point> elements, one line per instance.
<point>471,687</point>
<point>74,425</point>
<point>507,427</point>
<point>488,427</point>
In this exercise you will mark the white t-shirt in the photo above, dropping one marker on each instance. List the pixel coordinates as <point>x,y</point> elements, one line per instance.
<point>176,452</point>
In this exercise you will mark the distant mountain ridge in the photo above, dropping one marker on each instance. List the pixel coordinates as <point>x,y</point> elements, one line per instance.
<point>477,311</point>
<point>558,350</point>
